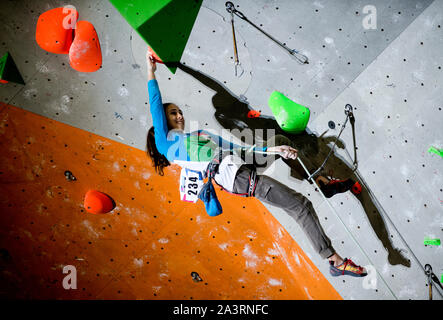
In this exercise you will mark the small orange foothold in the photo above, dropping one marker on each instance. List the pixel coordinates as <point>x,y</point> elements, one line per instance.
<point>85,53</point>
<point>54,30</point>
<point>154,55</point>
<point>253,114</point>
<point>97,202</point>
<point>3,81</point>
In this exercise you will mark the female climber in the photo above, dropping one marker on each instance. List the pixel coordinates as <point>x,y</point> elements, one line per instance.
<point>167,142</point>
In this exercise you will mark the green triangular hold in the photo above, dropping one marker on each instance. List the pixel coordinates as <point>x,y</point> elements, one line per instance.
<point>9,71</point>
<point>165,25</point>
<point>290,116</point>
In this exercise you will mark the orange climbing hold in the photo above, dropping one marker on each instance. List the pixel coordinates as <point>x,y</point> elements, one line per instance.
<point>154,55</point>
<point>55,30</point>
<point>98,202</point>
<point>3,81</point>
<point>85,54</point>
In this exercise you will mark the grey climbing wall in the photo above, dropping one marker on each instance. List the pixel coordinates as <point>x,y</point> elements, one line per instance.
<point>399,115</point>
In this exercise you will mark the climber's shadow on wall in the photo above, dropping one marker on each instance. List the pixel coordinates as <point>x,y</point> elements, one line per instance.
<point>232,113</point>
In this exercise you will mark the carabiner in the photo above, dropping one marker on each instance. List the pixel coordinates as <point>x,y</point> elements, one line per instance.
<point>230,7</point>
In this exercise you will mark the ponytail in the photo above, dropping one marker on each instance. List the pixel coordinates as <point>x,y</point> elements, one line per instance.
<point>159,161</point>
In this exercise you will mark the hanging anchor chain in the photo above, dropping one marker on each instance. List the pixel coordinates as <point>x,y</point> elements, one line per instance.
<point>294,53</point>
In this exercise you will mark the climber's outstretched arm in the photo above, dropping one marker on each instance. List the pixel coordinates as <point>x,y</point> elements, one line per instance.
<point>152,66</point>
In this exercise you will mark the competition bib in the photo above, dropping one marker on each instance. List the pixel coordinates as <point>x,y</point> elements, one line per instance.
<point>191,182</point>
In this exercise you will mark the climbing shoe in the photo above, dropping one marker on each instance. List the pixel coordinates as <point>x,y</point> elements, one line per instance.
<point>347,268</point>
<point>336,186</point>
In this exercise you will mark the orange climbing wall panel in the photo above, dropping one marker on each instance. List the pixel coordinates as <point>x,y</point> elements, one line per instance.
<point>149,245</point>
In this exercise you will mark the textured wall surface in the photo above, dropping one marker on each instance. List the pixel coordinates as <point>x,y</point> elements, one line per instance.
<point>391,75</point>
<point>149,246</point>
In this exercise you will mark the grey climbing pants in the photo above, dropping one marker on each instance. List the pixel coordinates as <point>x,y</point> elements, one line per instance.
<point>270,191</point>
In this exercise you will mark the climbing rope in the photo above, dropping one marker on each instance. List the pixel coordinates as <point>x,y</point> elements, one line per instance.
<point>335,212</point>
<point>431,277</point>
<point>346,228</point>
<point>349,115</point>
<point>386,216</point>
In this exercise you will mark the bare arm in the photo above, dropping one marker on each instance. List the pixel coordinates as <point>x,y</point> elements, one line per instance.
<point>286,152</point>
<point>152,66</point>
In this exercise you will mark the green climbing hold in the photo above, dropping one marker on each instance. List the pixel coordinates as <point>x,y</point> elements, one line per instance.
<point>291,116</point>
<point>431,242</point>
<point>9,71</point>
<point>165,25</point>
<point>436,151</point>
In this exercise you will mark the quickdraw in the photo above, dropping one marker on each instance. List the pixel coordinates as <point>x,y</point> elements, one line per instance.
<point>349,116</point>
<point>431,277</point>
<point>230,8</point>
<point>302,59</point>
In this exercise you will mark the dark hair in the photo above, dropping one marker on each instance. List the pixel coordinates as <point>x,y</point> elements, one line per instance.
<point>159,161</point>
